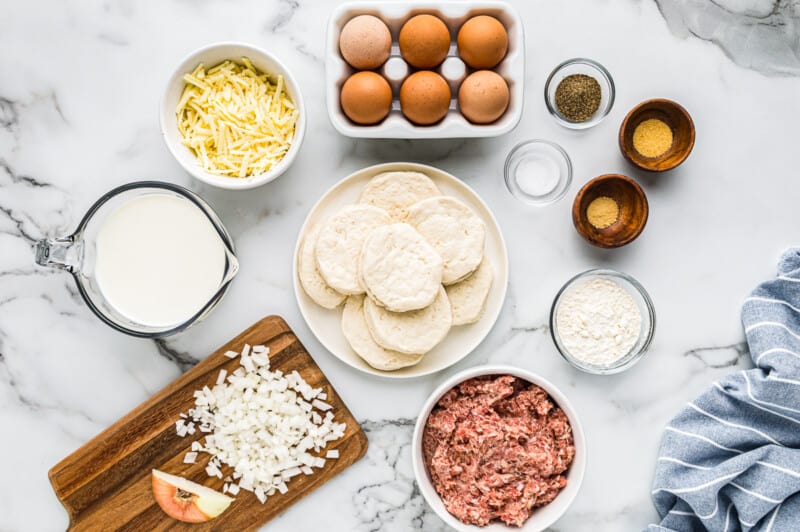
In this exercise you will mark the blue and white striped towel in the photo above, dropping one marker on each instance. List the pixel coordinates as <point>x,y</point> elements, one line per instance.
<point>730,460</point>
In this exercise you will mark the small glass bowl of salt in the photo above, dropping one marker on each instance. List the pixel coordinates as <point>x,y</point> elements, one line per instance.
<point>602,321</point>
<point>538,172</point>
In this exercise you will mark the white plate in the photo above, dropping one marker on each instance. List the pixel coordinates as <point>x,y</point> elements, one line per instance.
<point>454,14</point>
<point>462,340</point>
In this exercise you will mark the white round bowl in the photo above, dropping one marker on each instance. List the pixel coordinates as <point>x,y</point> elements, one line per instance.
<point>541,518</point>
<point>211,55</point>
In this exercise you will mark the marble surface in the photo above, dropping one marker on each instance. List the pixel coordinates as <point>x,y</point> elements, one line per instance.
<point>78,115</point>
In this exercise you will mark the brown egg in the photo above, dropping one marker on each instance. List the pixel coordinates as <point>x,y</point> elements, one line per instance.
<point>366,98</point>
<point>424,97</point>
<point>482,42</point>
<point>365,42</point>
<point>483,97</point>
<point>424,41</point>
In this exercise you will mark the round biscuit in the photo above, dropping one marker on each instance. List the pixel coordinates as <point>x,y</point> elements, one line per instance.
<point>454,230</point>
<point>468,297</point>
<point>395,192</point>
<point>354,328</point>
<point>339,245</point>
<point>399,269</point>
<point>415,332</point>
<point>310,279</point>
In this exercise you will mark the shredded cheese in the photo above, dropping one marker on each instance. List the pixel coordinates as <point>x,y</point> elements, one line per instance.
<point>236,120</point>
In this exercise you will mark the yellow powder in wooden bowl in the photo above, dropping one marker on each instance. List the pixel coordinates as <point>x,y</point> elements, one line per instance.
<point>602,212</point>
<point>652,138</point>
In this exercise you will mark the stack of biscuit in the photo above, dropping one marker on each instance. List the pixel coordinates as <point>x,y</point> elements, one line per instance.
<point>408,263</point>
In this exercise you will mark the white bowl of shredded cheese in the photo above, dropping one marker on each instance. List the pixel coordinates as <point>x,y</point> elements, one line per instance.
<point>233,116</point>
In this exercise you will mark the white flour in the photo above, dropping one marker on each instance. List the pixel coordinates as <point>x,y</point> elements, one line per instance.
<point>598,322</point>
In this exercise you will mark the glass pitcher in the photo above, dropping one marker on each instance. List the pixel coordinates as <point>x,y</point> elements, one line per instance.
<point>77,254</point>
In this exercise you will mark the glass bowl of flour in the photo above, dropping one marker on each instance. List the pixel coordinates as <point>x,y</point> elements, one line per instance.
<point>602,321</point>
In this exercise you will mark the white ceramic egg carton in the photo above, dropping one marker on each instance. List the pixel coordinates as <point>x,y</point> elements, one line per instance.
<point>454,14</point>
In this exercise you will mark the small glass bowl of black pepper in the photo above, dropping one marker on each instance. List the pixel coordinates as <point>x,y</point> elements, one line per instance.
<point>579,93</point>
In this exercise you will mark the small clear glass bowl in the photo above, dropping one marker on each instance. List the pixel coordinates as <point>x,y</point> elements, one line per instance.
<point>538,172</point>
<point>646,309</point>
<point>580,65</point>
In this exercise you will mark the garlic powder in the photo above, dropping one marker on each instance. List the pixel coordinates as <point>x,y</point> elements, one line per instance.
<point>598,322</point>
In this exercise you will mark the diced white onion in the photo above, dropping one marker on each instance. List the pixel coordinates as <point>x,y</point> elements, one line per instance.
<point>262,424</point>
<point>321,405</point>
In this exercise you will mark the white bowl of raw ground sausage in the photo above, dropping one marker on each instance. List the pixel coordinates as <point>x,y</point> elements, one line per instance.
<point>542,517</point>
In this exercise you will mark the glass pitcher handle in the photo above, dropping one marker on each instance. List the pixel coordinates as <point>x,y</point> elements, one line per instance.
<point>63,253</point>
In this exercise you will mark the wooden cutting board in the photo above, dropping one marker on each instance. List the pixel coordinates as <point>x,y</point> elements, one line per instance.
<point>105,485</point>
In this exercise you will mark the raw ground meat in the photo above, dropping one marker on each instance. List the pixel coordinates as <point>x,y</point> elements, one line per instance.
<point>497,447</point>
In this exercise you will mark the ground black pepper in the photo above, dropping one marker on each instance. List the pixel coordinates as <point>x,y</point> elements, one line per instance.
<point>578,97</point>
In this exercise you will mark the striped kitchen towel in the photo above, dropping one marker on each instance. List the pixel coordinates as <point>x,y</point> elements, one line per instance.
<point>730,460</point>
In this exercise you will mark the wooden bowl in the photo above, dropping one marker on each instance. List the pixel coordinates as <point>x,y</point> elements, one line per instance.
<point>633,210</point>
<point>672,114</point>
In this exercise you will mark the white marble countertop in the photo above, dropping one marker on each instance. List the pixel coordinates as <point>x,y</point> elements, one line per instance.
<point>78,116</point>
